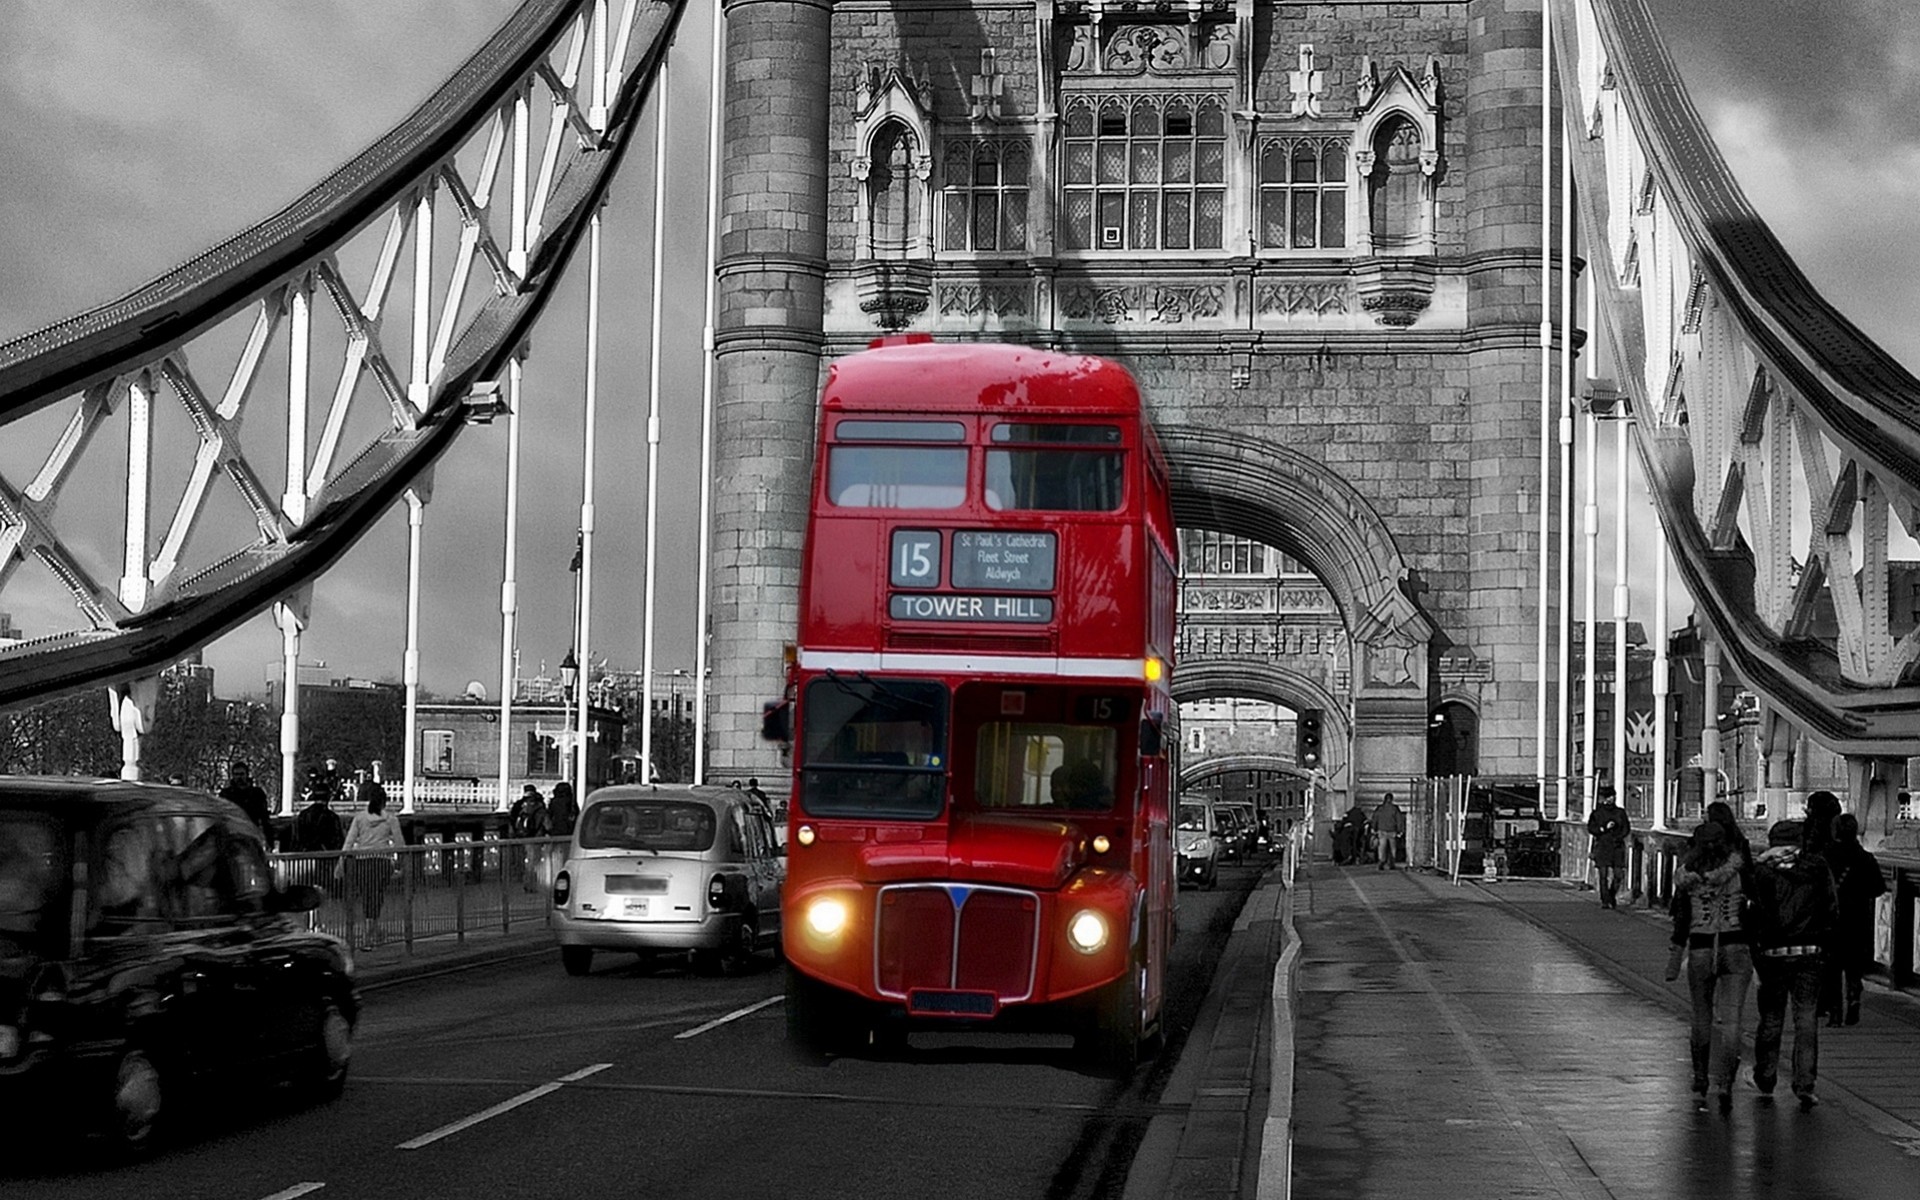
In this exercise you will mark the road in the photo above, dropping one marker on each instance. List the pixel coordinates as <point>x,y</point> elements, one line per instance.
<point>514,1080</point>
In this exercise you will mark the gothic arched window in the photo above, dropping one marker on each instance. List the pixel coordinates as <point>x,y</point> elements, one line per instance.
<point>893,192</point>
<point>1303,194</point>
<point>1398,188</point>
<point>1144,172</point>
<point>984,196</point>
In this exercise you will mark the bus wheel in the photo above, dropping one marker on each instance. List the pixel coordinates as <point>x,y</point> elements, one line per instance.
<point>1113,1045</point>
<point>819,1022</point>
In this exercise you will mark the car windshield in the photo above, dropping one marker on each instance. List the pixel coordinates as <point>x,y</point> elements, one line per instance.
<point>1193,816</point>
<point>32,871</point>
<point>645,823</point>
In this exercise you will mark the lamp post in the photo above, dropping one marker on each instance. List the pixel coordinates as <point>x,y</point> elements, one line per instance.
<point>569,674</point>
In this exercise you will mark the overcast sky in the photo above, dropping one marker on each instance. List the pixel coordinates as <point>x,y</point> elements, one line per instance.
<point>139,134</point>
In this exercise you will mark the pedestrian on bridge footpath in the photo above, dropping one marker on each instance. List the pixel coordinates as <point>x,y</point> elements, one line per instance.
<point>371,842</point>
<point>1709,932</point>
<point>1608,827</point>
<point>1857,881</point>
<point>1388,824</point>
<point>1794,902</point>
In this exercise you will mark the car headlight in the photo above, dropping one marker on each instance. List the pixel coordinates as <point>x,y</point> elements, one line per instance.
<point>827,916</point>
<point>1087,931</point>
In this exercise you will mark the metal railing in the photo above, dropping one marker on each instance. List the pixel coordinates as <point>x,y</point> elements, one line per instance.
<point>444,890</point>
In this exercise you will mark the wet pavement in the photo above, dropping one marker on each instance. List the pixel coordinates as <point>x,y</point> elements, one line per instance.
<point>1515,1040</point>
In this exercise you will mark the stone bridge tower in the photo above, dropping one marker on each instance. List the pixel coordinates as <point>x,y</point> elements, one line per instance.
<point>1311,230</point>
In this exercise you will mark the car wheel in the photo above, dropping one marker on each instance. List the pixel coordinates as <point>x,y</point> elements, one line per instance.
<point>1113,1045</point>
<point>332,1052</point>
<point>578,960</point>
<point>138,1101</point>
<point>739,954</point>
<point>819,1021</point>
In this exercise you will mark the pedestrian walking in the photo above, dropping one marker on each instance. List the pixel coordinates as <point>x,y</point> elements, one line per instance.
<point>317,828</point>
<point>1857,883</point>
<point>562,811</point>
<point>527,819</point>
<point>248,795</point>
<point>1350,836</point>
<point>1710,935</point>
<point>1721,814</point>
<point>370,845</point>
<point>1388,825</point>
<point>1794,904</point>
<point>1608,827</point>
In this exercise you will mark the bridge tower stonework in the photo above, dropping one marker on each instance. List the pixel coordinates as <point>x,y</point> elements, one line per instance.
<point>1311,230</point>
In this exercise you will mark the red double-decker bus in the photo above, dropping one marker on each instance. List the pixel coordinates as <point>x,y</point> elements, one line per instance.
<point>979,827</point>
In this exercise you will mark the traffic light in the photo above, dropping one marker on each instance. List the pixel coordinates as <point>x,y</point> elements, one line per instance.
<point>1306,737</point>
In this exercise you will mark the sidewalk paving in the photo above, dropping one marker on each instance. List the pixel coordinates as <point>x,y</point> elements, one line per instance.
<point>1515,1040</point>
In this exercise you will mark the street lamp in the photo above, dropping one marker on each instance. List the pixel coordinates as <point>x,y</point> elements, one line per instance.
<point>569,674</point>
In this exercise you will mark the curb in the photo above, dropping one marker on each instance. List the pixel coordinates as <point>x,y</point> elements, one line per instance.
<point>1276,1133</point>
<point>506,948</point>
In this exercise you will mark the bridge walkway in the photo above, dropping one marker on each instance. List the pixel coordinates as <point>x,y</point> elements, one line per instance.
<point>1516,1040</point>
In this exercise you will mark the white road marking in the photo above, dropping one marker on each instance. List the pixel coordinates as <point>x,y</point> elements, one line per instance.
<point>505,1106</point>
<point>297,1190</point>
<point>735,1015</point>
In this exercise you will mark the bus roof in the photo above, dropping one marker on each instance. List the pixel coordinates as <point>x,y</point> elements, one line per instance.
<point>975,376</point>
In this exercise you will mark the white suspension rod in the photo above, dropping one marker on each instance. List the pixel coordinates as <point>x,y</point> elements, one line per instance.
<point>707,347</point>
<point>653,418</point>
<point>416,512</point>
<point>1621,601</point>
<point>585,649</point>
<point>1546,398</point>
<point>510,585</point>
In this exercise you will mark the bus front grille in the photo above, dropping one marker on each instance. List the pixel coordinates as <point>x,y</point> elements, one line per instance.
<point>956,936</point>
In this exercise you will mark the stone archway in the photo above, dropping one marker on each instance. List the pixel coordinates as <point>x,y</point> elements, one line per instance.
<point>1233,482</point>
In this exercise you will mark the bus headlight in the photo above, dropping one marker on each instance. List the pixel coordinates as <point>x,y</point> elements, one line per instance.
<point>1100,844</point>
<point>1087,931</point>
<point>826,916</point>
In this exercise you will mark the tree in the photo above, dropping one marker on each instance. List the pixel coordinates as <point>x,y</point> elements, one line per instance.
<point>67,735</point>
<point>673,748</point>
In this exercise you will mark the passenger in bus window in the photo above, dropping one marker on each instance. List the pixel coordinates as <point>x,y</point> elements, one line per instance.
<point>1080,784</point>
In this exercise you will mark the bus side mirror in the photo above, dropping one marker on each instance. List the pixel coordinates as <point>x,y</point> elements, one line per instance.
<point>776,721</point>
<point>1153,742</point>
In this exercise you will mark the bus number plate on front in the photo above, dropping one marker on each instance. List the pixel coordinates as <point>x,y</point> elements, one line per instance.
<point>1003,561</point>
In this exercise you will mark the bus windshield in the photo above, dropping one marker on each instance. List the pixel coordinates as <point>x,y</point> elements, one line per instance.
<point>1033,765</point>
<point>873,748</point>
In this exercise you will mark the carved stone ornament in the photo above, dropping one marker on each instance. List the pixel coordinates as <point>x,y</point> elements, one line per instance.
<point>983,299</point>
<point>1152,49</point>
<point>1137,302</point>
<point>1303,299</point>
<point>893,292</point>
<point>1395,290</point>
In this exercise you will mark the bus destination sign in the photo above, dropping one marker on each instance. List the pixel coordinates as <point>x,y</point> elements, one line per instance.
<point>948,606</point>
<point>1003,560</point>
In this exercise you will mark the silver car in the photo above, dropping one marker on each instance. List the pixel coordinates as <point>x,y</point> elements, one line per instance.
<point>662,869</point>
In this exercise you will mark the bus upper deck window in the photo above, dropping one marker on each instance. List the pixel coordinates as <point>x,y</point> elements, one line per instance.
<point>897,476</point>
<point>1084,478</point>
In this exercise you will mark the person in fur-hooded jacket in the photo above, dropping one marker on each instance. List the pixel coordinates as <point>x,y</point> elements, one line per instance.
<point>1709,928</point>
<point>1794,901</point>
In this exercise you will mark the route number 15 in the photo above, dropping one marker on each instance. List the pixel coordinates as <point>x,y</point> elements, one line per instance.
<point>916,558</point>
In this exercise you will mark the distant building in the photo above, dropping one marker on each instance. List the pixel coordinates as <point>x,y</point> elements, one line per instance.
<point>459,752</point>
<point>9,632</point>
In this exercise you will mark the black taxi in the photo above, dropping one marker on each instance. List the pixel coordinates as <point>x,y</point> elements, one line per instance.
<point>146,953</point>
